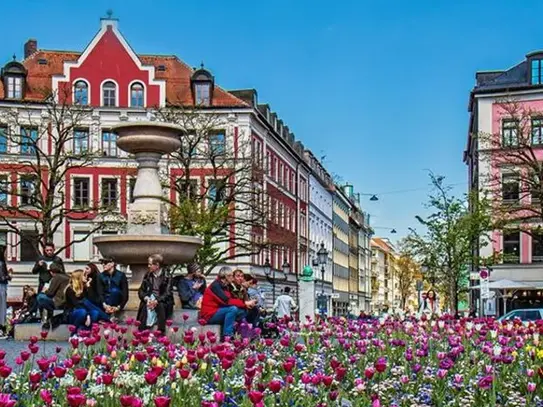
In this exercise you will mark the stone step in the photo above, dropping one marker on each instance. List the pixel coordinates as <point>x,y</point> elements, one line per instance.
<point>23,332</point>
<point>191,315</point>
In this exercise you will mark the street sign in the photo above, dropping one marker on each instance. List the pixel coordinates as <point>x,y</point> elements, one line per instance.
<point>334,296</point>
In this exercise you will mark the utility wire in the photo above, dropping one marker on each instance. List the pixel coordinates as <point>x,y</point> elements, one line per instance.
<point>414,189</point>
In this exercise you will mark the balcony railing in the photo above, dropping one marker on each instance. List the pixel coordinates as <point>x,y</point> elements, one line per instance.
<point>537,259</point>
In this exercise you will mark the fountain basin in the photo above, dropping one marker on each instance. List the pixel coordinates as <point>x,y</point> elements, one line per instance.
<point>136,249</point>
<point>148,137</point>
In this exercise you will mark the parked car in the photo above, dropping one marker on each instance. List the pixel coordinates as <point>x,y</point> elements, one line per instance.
<point>525,315</point>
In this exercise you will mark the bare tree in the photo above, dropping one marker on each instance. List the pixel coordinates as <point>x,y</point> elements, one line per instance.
<point>50,144</point>
<point>515,155</point>
<point>217,188</point>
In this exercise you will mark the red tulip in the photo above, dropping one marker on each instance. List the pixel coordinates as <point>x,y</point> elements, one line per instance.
<point>162,401</point>
<point>33,339</point>
<point>25,355</point>
<point>34,378</point>
<point>76,400</point>
<point>7,401</point>
<point>33,348</point>
<point>219,396</point>
<point>274,386</point>
<point>5,371</point>
<point>46,396</point>
<point>81,373</point>
<point>256,397</point>
<point>2,354</point>
<point>137,402</point>
<point>380,365</point>
<point>44,334</point>
<point>107,378</point>
<point>43,364</point>
<point>73,390</point>
<point>150,377</point>
<point>126,400</point>
<point>59,372</point>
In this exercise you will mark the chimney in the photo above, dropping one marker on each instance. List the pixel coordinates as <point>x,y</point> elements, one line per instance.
<point>31,46</point>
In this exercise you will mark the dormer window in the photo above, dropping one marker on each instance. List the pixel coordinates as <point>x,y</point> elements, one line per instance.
<point>203,93</point>
<point>202,87</point>
<point>81,93</point>
<point>537,71</point>
<point>136,95</point>
<point>13,76</point>
<point>109,94</point>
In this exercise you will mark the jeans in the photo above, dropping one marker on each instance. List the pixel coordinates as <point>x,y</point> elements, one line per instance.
<point>114,297</point>
<point>78,315</point>
<point>45,302</point>
<point>226,317</point>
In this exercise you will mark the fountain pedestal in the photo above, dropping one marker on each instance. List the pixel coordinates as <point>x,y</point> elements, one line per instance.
<point>147,231</point>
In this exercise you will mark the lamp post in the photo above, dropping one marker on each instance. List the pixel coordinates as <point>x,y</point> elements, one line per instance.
<point>322,259</point>
<point>267,271</point>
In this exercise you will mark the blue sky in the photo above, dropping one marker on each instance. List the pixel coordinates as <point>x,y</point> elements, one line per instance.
<point>378,87</point>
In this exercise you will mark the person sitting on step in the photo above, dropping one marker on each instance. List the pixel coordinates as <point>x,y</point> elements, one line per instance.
<point>219,306</point>
<point>156,296</point>
<point>115,286</point>
<point>191,287</point>
<point>82,312</point>
<point>54,297</point>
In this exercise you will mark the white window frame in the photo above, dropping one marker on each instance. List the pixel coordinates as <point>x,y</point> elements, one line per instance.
<point>119,189</point>
<point>139,82</point>
<point>72,188</point>
<point>6,174</point>
<point>19,195</point>
<point>116,93</point>
<point>88,91</point>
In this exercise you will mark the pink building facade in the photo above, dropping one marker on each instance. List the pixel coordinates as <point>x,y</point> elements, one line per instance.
<point>505,109</point>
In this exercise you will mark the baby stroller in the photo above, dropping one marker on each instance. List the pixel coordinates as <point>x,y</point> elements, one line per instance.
<point>269,325</point>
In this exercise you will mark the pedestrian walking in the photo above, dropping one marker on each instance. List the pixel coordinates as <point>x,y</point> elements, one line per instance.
<point>284,304</point>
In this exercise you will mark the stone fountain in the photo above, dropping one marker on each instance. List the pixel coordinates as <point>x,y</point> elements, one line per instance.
<point>147,231</point>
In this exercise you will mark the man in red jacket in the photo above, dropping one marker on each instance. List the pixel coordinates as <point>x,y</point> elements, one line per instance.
<point>220,307</point>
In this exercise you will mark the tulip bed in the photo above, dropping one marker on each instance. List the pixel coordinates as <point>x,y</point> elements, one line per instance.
<point>336,362</point>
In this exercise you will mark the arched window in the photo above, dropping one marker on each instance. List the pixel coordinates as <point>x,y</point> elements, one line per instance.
<point>136,95</point>
<point>81,93</point>
<point>109,94</point>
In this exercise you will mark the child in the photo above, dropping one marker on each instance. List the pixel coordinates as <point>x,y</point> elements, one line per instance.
<point>27,313</point>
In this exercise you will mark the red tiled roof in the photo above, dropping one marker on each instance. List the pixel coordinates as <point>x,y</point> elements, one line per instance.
<point>382,244</point>
<point>177,75</point>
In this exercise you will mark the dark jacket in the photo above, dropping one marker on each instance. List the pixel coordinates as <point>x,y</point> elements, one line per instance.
<point>187,293</point>
<point>95,293</point>
<point>216,296</point>
<point>117,279</point>
<point>165,296</point>
<point>72,300</point>
<point>4,275</point>
<point>42,271</point>
<point>57,289</point>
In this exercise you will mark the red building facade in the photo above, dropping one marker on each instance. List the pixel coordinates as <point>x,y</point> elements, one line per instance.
<point>120,85</point>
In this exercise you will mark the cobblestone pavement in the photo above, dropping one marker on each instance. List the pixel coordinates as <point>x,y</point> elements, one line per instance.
<point>14,348</point>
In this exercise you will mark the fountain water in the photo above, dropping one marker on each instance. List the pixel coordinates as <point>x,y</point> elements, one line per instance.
<point>147,231</point>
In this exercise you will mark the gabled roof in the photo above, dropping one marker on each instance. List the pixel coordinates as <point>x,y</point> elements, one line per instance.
<point>176,73</point>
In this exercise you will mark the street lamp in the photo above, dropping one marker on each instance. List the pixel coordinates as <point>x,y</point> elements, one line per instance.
<point>286,268</point>
<point>322,259</point>
<point>267,272</point>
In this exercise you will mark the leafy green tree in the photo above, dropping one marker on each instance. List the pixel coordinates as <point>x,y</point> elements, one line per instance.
<point>454,230</point>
